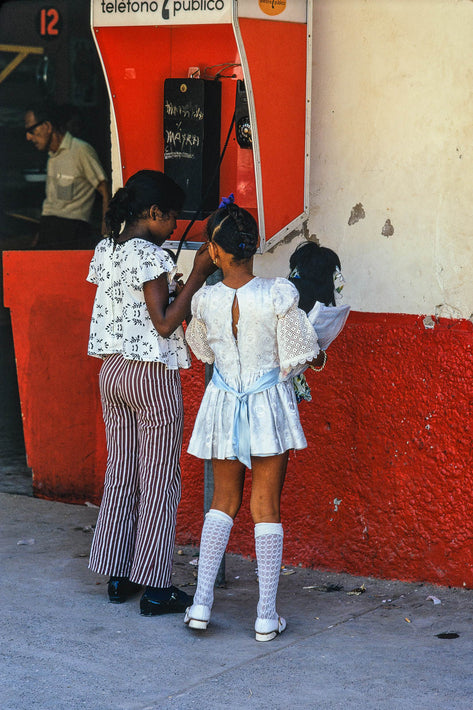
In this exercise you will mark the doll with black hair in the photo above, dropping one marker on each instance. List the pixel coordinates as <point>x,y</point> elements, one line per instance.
<point>253,332</point>
<point>316,274</point>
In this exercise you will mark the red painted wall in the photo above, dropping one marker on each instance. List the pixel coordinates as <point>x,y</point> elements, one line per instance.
<point>384,487</point>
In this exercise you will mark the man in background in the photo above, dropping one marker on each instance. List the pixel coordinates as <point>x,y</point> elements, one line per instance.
<point>74,174</point>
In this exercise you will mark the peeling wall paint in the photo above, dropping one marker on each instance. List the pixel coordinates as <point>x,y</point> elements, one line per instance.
<point>356,214</point>
<point>388,229</point>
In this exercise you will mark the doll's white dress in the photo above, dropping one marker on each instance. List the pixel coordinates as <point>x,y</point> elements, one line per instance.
<point>274,336</point>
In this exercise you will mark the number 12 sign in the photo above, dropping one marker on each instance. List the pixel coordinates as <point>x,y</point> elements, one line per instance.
<point>49,22</point>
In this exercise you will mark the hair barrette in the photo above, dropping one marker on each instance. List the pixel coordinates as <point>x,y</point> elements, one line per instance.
<point>294,273</point>
<point>338,280</point>
<point>242,245</point>
<point>225,201</point>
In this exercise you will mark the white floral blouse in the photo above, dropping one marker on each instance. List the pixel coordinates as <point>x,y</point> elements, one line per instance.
<point>120,319</point>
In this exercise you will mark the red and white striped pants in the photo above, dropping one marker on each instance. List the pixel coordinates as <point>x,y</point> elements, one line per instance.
<point>143,414</point>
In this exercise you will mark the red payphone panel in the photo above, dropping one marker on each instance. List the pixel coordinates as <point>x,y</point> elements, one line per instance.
<point>229,42</point>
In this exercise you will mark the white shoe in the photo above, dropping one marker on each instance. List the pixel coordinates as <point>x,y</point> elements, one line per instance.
<point>268,629</point>
<point>197,616</point>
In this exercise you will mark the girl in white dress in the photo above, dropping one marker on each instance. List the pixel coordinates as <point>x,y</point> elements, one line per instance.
<point>253,332</point>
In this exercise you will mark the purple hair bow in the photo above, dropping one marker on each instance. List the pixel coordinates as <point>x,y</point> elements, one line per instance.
<point>225,201</point>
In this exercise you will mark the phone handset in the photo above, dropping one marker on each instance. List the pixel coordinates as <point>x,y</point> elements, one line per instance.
<point>242,117</point>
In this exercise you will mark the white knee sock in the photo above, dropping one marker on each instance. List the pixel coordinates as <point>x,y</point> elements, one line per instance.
<point>213,542</point>
<point>268,545</point>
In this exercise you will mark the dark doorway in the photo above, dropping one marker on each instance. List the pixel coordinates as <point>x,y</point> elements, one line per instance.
<point>46,51</point>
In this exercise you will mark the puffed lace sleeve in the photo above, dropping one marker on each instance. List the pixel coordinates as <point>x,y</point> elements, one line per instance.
<point>297,341</point>
<point>196,333</point>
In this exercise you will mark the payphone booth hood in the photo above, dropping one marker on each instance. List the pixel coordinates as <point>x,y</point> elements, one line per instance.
<point>264,43</point>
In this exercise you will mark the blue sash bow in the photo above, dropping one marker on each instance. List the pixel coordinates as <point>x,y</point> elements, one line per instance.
<point>241,422</point>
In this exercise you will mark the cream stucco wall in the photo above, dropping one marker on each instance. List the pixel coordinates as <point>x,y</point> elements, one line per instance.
<point>392,130</point>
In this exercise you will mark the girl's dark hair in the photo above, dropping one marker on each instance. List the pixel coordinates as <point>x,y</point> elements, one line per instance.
<point>142,190</point>
<point>235,230</point>
<point>313,279</point>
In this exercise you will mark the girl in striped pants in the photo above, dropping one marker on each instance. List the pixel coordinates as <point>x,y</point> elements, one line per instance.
<point>137,329</point>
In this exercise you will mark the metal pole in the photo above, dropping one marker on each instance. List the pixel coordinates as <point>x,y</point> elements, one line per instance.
<point>208,469</point>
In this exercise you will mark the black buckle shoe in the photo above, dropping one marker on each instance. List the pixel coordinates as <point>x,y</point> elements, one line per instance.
<point>120,589</point>
<point>176,603</point>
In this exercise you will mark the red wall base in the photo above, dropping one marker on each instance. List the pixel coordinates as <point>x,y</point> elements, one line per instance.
<point>384,487</point>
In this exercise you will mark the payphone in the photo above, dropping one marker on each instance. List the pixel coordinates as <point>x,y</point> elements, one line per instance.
<point>242,117</point>
<point>147,48</point>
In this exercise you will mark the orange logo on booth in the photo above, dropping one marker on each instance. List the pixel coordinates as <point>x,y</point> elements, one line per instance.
<point>272,7</point>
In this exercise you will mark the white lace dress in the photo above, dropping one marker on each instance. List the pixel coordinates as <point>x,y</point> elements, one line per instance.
<point>272,333</point>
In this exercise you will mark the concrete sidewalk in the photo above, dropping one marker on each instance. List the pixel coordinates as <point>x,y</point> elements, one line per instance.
<point>64,647</point>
